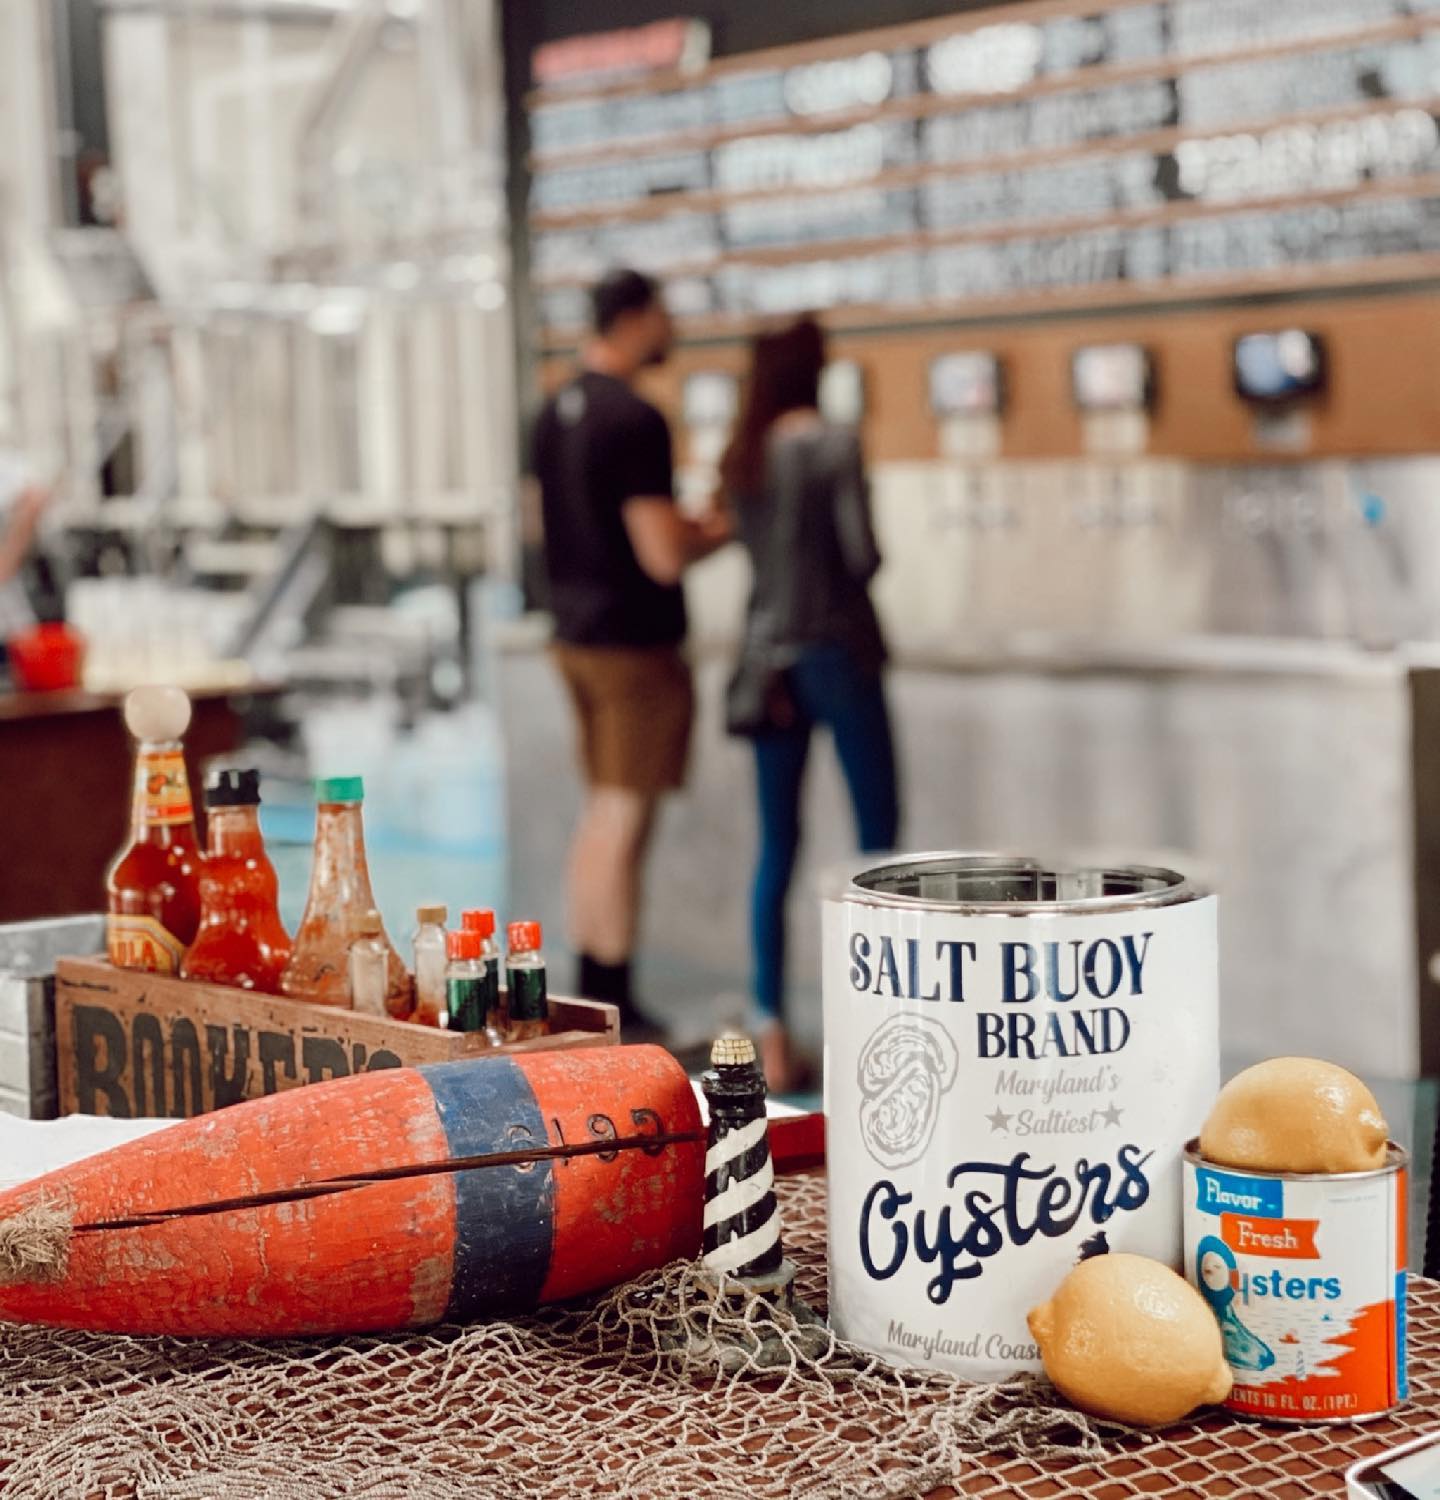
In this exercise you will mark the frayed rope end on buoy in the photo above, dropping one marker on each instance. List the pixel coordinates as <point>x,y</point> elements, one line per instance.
<point>34,1244</point>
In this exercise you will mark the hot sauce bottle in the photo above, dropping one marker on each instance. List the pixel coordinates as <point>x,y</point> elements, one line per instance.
<point>467,985</point>
<point>339,899</point>
<point>430,961</point>
<point>481,921</point>
<point>529,1004</point>
<point>369,966</point>
<point>241,940</point>
<point>152,890</point>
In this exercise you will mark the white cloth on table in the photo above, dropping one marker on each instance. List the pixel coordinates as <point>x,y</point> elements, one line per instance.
<point>30,1148</point>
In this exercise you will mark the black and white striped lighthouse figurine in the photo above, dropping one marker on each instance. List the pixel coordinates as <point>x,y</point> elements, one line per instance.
<point>742,1255</point>
<point>742,1219</point>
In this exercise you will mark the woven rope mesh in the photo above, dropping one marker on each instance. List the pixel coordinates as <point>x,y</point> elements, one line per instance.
<point>595,1400</point>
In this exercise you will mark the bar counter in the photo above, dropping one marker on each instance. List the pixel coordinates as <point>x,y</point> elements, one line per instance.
<point>66,764</point>
<point>1299,776</point>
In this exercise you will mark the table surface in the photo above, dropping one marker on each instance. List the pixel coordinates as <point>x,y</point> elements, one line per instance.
<point>1215,1454</point>
<point>55,1384</point>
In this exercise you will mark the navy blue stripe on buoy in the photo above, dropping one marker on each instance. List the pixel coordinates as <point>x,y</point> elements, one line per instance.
<point>504,1216</point>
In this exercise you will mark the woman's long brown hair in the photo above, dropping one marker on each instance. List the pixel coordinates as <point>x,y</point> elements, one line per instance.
<point>784,376</point>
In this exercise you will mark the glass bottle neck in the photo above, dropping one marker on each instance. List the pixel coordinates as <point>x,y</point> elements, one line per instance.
<point>161,807</point>
<point>234,830</point>
<point>340,850</point>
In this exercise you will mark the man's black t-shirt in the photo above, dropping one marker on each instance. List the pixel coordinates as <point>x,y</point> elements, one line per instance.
<point>596,445</point>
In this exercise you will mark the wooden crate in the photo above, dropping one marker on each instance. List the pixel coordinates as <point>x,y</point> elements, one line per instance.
<point>129,1044</point>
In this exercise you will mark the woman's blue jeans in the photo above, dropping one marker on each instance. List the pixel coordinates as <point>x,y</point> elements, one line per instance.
<point>829,690</point>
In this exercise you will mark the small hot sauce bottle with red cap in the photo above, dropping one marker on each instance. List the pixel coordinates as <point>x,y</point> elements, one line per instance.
<point>529,1003</point>
<point>153,890</point>
<point>468,989</point>
<point>481,921</point>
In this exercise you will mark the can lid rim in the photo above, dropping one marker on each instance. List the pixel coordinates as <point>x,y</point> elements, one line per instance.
<point>1397,1157</point>
<point>1170,887</point>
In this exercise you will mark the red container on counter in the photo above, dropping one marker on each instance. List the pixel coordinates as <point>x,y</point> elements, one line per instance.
<point>46,658</point>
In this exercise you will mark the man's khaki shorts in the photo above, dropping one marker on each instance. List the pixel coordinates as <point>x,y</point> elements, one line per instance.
<point>635,705</point>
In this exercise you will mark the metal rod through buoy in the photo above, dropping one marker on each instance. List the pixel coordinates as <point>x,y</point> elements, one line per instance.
<point>326,1186</point>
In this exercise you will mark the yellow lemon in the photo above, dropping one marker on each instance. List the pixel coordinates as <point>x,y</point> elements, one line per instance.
<point>1125,1337</point>
<point>1296,1114</point>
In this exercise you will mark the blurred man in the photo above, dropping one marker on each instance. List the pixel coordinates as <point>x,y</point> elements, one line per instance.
<point>615,549</point>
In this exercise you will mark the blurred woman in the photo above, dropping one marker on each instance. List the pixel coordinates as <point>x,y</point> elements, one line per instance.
<point>813,651</point>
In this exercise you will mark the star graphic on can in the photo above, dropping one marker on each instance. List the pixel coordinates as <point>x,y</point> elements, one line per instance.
<point>1110,1115</point>
<point>999,1120</point>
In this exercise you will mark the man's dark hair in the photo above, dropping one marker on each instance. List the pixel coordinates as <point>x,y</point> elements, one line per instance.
<point>618,293</point>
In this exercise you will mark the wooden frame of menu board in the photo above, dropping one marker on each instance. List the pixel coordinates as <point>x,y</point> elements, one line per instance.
<point>1383,397</point>
<point>932,261</point>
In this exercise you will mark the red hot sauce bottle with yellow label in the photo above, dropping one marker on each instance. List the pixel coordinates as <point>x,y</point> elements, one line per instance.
<point>153,889</point>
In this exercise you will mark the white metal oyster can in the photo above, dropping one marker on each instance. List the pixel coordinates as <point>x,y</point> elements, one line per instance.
<point>1016,1052</point>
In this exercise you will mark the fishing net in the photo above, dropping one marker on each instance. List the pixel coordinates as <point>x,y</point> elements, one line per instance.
<point>640,1392</point>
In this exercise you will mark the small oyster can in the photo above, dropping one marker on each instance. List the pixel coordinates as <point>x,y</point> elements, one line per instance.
<point>1016,1051</point>
<point>1306,1276</point>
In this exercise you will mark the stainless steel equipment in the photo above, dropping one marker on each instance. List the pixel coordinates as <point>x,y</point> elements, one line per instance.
<point>1150,550</point>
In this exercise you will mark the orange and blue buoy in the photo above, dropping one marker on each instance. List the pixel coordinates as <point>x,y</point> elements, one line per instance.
<point>387,1200</point>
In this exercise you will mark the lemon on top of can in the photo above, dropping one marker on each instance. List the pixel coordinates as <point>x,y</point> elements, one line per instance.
<point>1296,1114</point>
<point>1124,1337</point>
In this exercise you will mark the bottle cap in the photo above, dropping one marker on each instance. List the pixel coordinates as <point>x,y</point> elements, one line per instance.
<point>371,923</point>
<point>155,714</point>
<point>464,944</point>
<point>431,915</point>
<point>229,787</point>
<point>479,919</point>
<point>340,789</point>
<point>524,937</point>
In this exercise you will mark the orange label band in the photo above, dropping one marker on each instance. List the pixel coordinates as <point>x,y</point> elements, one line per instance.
<point>162,788</point>
<point>1278,1239</point>
<point>133,942</point>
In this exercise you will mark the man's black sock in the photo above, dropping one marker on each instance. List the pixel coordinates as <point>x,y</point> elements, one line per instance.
<point>607,982</point>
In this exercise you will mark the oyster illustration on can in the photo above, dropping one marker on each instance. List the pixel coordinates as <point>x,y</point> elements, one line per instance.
<point>906,1068</point>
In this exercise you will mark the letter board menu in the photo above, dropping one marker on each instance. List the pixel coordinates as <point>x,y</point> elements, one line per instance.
<point>1058,154</point>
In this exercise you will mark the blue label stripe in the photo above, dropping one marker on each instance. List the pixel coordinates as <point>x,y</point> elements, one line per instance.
<point>1402,1313</point>
<point>1232,1193</point>
<point>504,1216</point>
